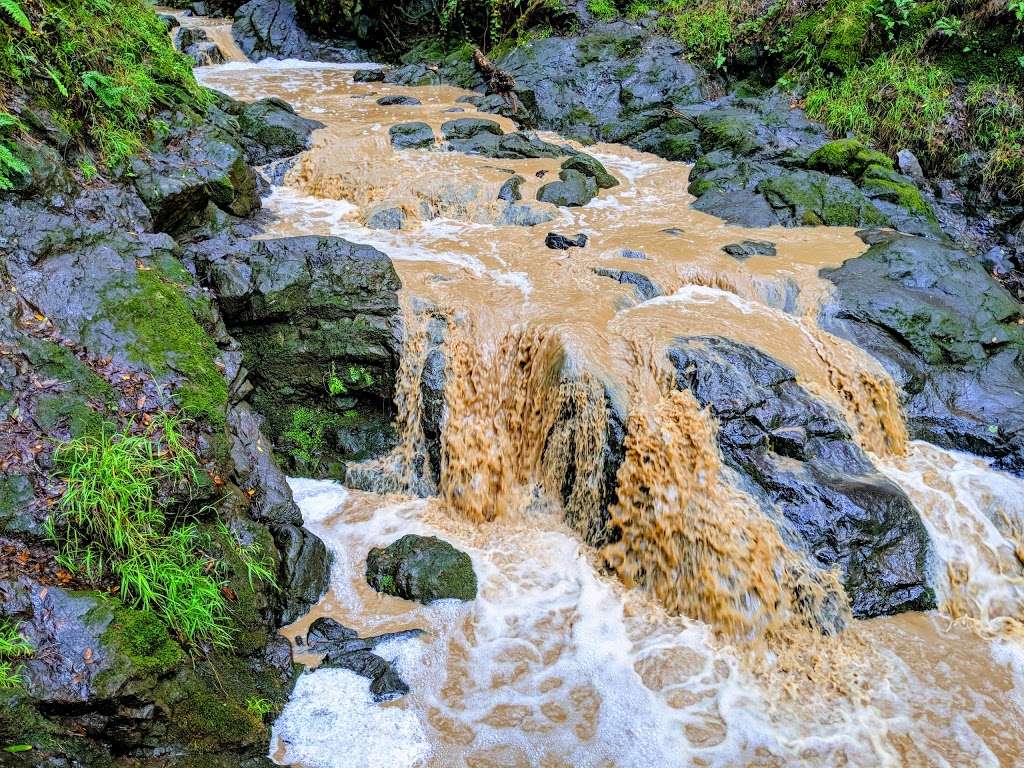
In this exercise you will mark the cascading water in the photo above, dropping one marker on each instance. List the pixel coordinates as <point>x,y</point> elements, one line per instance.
<point>638,608</point>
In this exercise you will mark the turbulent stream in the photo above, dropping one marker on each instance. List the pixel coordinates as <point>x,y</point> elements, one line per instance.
<point>683,644</point>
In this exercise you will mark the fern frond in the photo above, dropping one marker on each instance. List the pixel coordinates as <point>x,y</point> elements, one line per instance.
<point>17,13</point>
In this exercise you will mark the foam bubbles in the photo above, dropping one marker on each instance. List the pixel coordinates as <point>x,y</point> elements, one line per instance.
<point>331,721</point>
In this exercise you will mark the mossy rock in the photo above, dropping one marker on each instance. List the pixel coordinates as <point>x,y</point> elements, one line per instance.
<point>16,498</point>
<point>813,199</point>
<point>143,641</point>
<point>727,131</point>
<point>592,167</point>
<point>421,568</point>
<point>883,183</point>
<point>847,157</point>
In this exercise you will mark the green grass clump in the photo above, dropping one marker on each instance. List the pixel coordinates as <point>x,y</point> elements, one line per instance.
<point>12,648</point>
<point>604,10</point>
<point>102,68</point>
<point>110,519</point>
<point>257,706</point>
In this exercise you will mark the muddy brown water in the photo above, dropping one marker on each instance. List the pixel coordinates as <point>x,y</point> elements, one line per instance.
<point>681,645</point>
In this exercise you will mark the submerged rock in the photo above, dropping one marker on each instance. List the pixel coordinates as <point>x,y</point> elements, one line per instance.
<point>342,648</point>
<point>510,189</point>
<point>948,333</point>
<point>794,453</point>
<point>392,101</point>
<point>642,285</point>
<point>411,135</point>
<point>562,242</point>
<point>748,248</point>
<point>421,568</point>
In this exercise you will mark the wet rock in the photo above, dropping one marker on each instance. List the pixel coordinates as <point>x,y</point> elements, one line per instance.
<point>189,168</point>
<point>523,215</point>
<point>949,335</point>
<point>643,286</point>
<point>268,28</point>
<point>273,130</point>
<point>592,167</point>
<point>411,135</point>
<point>747,248</point>
<point>392,101</point>
<point>342,648</point>
<point>469,128</point>
<point>629,253</point>
<point>305,309</point>
<point>369,76</point>
<point>560,242</point>
<point>386,217</point>
<point>185,37</point>
<point>205,54</point>
<point>573,189</point>
<point>17,498</point>
<point>510,189</point>
<point>797,455</point>
<point>169,20</point>
<point>421,568</point>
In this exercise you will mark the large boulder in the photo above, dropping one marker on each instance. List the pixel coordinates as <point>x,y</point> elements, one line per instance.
<point>269,29</point>
<point>421,568</point>
<point>571,189</point>
<point>319,325</point>
<point>948,333</point>
<point>795,454</point>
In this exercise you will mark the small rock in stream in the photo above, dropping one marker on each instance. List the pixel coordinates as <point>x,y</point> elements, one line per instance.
<point>342,648</point>
<point>395,101</point>
<point>748,248</point>
<point>562,243</point>
<point>421,568</point>
<point>368,76</point>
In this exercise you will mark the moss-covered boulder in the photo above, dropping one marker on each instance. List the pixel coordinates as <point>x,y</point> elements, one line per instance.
<point>411,135</point>
<point>592,167</point>
<point>572,189</point>
<point>421,568</point>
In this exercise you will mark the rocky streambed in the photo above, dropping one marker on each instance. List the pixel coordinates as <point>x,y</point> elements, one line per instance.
<point>729,454</point>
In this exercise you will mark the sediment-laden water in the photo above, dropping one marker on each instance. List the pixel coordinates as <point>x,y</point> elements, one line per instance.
<point>697,637</point>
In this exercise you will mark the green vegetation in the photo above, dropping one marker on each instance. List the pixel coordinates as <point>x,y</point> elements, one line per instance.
<point>110,519</point>
<point>252,557</point>
<point>940,77</point>
<point>10,163</point>
<point>356,377</point>
<point>306,438</point>
<point>100,68</point>
<point>169,339</point>
<point>12,648</point>
<point>602,9</point>
<point>258,706</point>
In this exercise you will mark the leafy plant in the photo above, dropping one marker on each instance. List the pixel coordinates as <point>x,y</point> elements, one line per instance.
<point>12,647</point>
<point>110,519</point>
<point>950,26</point>
<point>10,163</point>
<point>602,9</point>
<point>306,438</point>
<point>1017,8</point>
<point>16,13</point>
<point>893,15</point>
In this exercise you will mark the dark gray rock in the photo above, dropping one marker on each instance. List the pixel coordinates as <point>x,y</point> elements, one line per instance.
<point>629,253</point>
<point>797,455</point>
<point>421,568</point>
<point>273,131</point>
<point>191,167</point>
<point>469,128</point>
<point>523,215</point>
<point>909,164</point>
<point>572,189</point>
<point>644,288</point>
<point>17,499</point>
<point>411,135</point>
<point>301,308</point>
<point>559,242</point>
<point>747,248</point>
<point>205,54</point>
<point>369,76</point>
<point>949,335</point>
<point>269,29</point>
<point>342,648</point>
<point>392,101</point>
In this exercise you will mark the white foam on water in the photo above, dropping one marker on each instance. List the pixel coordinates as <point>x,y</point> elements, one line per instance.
<point>332,721</point>
<point>974,515</point>
<point>272,64</point>
<point>546,641</point>
<point>703,295</point>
